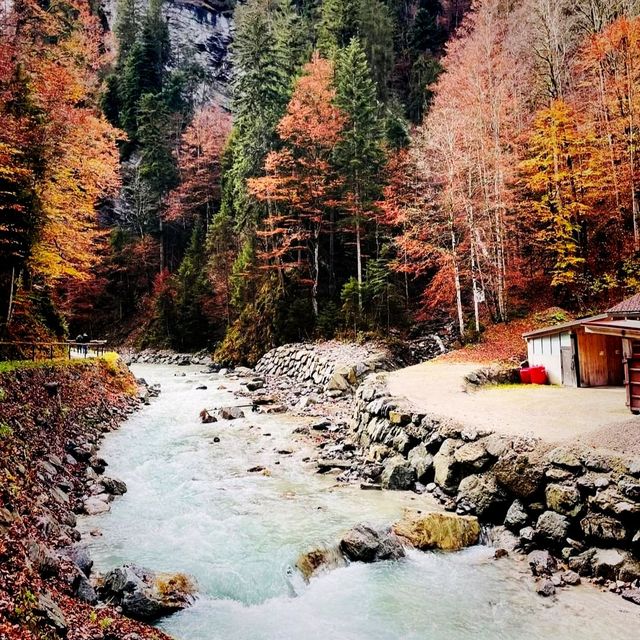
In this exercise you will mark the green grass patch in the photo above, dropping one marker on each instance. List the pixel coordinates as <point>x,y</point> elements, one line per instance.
<point>17,365</point>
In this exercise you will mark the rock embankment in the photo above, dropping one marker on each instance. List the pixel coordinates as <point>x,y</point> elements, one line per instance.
<point>166,356</point>
<point>581,503</point>
<point>331,367</point>
<point>52,418</point>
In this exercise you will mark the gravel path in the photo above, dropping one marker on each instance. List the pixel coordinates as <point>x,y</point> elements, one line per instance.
<point>597,417</point>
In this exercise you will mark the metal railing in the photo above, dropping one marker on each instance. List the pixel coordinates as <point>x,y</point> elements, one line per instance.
<point>21,350</point>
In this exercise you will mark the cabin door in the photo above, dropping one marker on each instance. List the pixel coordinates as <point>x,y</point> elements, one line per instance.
<point>569,374</point>
<point>631,351</point>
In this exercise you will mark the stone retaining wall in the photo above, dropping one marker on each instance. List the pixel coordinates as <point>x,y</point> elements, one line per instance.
<point>573,500</point>
<point>307,363</point>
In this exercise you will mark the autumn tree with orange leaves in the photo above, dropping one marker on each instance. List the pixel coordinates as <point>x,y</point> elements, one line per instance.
<point>300,185</point>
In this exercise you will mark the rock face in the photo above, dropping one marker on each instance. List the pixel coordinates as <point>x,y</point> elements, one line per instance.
<point>145,595</point>
<point>364,543</point>
<point>202,31</point>
<point>319,560</point>
<point>439,531</point>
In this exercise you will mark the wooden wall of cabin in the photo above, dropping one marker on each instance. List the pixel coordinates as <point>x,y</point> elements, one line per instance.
<point>600,360</point>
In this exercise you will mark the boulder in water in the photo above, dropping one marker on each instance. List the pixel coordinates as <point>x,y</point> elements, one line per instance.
<point>364,543</point>
<point>318,560</point>
<point>146,595</point>
<point>435,530</point>
<point>206,417</point>
<point>231,413</point>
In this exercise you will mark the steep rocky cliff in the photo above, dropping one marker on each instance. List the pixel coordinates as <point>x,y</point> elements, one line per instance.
<point>200,30</point>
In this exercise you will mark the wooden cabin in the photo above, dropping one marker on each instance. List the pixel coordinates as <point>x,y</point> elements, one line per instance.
<point>598,351</point>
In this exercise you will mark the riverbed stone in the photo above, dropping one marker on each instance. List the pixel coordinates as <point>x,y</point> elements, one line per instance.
<point>607,562</point>
<point>518,475</point>
<point>364,543</point>
<point>472,455</point>
<point>96,505</point>
<point>481,493</point>
<point>545,587</point>
<point>422,461</point>
<point>146,595</point>
<point>231,413</point>
<point>552,527</point>
<point>113,486</point>
<point>398,474</point>
<point>602,528</point>
<point>516,517</point>
<point>318,560</point>
<point>436,530</point>
<point>447,474</point>
<point>564,457</point>
<point>541,563</point>
<point>564,499</point>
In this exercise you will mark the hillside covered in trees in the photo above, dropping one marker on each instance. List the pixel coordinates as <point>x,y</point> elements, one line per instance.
<point>380,163</point>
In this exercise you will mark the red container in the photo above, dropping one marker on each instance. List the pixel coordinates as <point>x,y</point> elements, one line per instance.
<point>538,375</point>
<point>525,375</point>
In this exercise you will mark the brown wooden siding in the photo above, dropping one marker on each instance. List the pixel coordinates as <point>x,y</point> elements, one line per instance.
<point>600,360</point>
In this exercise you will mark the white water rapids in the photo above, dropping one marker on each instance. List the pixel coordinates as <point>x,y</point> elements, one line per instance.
<point>191,506</point>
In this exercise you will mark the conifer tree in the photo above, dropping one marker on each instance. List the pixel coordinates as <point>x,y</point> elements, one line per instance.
<point>359,154</point>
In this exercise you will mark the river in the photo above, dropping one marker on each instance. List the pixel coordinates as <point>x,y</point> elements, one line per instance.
<point>192,506</point>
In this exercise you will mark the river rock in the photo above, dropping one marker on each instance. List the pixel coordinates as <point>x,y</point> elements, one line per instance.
<point>207,418</point>
<point>631,595</point>
<point>516,517</point>
<point>445,531</point>
<point>571,578</point>
<point>542,563</point>
<point>564,499</point>
<point>481,494</point>
<point>446,466</point>
<point>79,555</point>
<point>43,559</point>
<point>518,475</point>
<point>630,570</point>
<point>607,562</point>
<point>398,474</point>
<point>564,457</point>
<point>319,560</point>
<point>47,609</point>
<point>422,461</point>
<point>582,563</point>
<point>601,528</point>
<point>113,486</point>
<point>552,527</point>
<point>231,413</point>
<point>96,505</point>
<point>545,588</point>
<point>364,543</point>
<point>145,595</point>
<point>472,455</point>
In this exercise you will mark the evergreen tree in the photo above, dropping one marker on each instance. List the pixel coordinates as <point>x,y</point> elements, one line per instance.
<point>339,23</point>
<point>193,293</point>
<point>126,28</point>
<point>359,155</point>
<point>265,59</point>
<point>144,68</point>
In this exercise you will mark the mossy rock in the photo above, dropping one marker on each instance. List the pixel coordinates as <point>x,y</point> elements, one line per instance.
<point>445,531</point>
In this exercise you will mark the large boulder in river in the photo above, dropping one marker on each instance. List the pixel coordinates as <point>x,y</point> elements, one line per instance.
<point>319,560</point>
<point>364,543</point>
<point>436,530</point>
<point>146,595</point>
<point>422,461</point>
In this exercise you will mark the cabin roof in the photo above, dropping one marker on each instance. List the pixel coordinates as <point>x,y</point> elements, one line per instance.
<point>563,326</point>
<point>614,327</point>
<point>630,305</point>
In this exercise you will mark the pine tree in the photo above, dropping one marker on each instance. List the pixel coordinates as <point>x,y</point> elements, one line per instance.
<point>126,28</point>
<point>359,154</point>
<point>339,23</point>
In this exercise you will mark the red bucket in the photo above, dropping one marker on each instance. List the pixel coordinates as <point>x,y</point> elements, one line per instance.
<point>525,375</point>
<point>538,375</point>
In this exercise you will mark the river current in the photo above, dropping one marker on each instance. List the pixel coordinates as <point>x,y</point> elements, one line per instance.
<point>192,506</point>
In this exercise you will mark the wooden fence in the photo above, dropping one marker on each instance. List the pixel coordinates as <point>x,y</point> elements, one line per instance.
<point>50,350</point>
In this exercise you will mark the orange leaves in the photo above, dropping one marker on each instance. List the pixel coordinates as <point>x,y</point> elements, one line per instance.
<point>199,158</point>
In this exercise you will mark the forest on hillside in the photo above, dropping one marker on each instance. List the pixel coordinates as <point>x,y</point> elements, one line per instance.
<point>382,163</point>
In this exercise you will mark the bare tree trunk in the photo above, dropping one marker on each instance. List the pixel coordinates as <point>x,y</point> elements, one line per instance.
<point>10,309</point>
